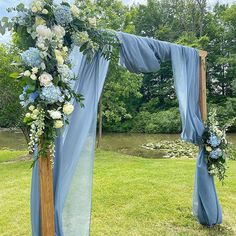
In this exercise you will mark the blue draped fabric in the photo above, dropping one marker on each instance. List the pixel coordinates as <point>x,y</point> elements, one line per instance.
<point>75,147</point>
<point>144,55</point>
<point>73,164</point>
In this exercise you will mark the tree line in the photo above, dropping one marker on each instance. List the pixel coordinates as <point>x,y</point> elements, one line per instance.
<point>147,102</point>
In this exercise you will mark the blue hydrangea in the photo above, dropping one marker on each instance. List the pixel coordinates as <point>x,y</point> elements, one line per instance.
<point>31,57</point>
<point>51,94</point>
<point>63,15</point>
<point>33,96</point>
<point>214,140</point>
<point>215,154</point>
<point>26,99</point>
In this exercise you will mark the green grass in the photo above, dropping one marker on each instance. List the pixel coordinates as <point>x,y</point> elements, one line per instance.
<point>8,155</point>
<point>131,197</point>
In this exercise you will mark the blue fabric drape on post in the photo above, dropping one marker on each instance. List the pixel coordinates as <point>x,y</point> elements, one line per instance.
<point>75,147</point>
<point>73,167</point>
<point>142,55</point>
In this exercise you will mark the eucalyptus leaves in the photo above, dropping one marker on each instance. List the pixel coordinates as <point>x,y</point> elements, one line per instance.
<point>48,32</point>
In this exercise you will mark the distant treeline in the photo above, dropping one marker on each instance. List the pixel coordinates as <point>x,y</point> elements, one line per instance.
<point>147,103</point>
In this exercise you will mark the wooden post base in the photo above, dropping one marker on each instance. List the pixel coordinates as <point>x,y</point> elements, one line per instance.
<point>46,197</point>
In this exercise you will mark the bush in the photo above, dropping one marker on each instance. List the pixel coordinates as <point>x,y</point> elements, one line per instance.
<point>159,122</point>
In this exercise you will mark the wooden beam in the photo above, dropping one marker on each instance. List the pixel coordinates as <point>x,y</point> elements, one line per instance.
<point>46,196</point>
<point>100,123</point>
<point>202,92</point>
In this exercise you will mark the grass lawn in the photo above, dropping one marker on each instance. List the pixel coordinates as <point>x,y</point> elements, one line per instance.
<point>132,197</point>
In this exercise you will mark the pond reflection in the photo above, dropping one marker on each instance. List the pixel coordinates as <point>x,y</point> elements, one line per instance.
<point>127,143</point>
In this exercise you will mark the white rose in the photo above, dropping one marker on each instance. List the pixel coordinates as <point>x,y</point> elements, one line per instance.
<point>65,49</point>
<point>45,79</point>
<point>43,31</point>
<point>34,9</point>
<point>58,124</point>
<point>36,112</point>
<point>31,107</point>
<point>39,21</point>
<point>39,8</point>
<point>41,45</point>
<point>27,73</point>
<point>92,21</point>
<point>219,133</point>
<point>68,108</point>
<point>27,115</point>
<point>55,115</point>
<point>33,116</point>
<point>208,148</point>
<point>59,31</point>
<point>45,11</point>
<point>38,4</point>
<point>33,77</point>
<point>35,70</point>
<point>74,10</point>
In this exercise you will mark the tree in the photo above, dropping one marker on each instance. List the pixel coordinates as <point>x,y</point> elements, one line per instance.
<point>11,113</point>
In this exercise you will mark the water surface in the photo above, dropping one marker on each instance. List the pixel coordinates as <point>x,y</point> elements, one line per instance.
<point>130,144</point>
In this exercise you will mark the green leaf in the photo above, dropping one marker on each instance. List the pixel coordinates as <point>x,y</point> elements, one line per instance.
<point>20,7</point>
<point>31,88</point>
<point>14,75</point>
<point>5,19</point>
<point>2,29</point>
<point>83,47</point>
<point>28,120</point>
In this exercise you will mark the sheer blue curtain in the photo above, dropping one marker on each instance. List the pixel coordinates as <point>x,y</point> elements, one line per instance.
<point>75,147</point>
<point>73,166</point>
<point>144,55</point>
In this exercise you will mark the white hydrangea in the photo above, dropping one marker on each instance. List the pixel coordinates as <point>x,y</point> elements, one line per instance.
<point>59,31</point>
<point>43,31</point>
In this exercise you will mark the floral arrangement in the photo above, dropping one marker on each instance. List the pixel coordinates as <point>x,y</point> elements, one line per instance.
<point>216,146</point>
<point>48,32</point>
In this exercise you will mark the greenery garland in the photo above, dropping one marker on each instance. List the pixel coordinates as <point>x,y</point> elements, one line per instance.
<point>47,32</point>
<point>216,146</point>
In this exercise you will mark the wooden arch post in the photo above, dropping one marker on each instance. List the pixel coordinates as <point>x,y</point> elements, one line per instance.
<point>46,195</point>
<point>202,92</point>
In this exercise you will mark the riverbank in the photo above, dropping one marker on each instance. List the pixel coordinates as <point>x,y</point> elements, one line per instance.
<point>124,143</point>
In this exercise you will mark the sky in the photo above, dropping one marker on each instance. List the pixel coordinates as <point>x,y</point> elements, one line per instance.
<point>4,4</point>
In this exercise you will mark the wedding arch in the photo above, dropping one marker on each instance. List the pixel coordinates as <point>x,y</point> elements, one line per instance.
<point>61,198</point>
<point>75,147</point>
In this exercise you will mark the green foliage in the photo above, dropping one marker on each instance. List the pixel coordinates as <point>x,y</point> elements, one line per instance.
<point>160,122</point>
<point>188,23</point>
<point>10,89</point>
<point>121,95</point>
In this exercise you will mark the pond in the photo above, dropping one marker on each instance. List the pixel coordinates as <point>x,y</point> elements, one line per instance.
<point>127,143</point>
